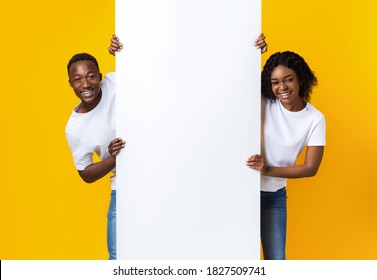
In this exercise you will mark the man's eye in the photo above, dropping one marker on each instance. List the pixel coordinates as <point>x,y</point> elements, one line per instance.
<point>78,80</point>
<point>91,77</point>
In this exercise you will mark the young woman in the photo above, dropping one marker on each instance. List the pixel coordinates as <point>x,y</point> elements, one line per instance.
<point>289,124</point>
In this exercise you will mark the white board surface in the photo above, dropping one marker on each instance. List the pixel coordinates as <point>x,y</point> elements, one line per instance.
<point>188,105</point>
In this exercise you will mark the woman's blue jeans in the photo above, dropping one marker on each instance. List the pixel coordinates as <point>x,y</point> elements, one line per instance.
<point>111,228</point>
<point>274,224</point>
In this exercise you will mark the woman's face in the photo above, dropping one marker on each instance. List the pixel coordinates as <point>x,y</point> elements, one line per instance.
<point>285,85</point>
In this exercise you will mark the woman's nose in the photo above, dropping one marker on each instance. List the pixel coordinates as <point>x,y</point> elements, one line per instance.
<point>282,86</point>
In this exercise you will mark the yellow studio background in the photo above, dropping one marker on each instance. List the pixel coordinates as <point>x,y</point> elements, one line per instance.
<point>333,215</point>
<point>48,212</point>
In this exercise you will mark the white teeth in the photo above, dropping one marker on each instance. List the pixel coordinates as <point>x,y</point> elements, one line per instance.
<point>86,93</point>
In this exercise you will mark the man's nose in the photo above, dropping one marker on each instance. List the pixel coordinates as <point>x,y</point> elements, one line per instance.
<point>85,82</point>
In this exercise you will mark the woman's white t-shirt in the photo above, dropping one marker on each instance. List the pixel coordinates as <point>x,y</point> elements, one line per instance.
<point>285,134</point>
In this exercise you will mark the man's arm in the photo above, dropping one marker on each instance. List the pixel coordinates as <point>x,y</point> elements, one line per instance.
<point>97,170</point>
<point>115,45</point>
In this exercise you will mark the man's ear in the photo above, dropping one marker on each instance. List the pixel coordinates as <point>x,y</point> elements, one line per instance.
<point>100,76</point>
<point>69,82</point>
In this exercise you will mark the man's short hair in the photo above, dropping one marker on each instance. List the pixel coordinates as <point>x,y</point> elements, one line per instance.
<point>80,57</point>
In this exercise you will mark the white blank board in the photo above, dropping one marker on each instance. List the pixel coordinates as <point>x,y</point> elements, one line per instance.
<point>188,105</point>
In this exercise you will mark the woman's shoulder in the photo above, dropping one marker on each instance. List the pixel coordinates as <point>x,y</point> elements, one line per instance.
<point>313,110</point>
<point>268,102</point>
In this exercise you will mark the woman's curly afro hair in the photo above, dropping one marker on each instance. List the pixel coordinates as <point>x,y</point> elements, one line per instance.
<point>295,62</point>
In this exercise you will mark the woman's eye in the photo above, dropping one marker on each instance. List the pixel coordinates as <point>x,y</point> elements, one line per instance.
<point>274,83</point>
<point>288,80</point>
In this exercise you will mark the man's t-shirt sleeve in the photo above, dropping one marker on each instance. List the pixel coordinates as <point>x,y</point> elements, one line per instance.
<point>82,155</point>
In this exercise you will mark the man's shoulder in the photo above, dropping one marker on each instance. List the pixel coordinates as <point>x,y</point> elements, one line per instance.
<point>108,84</point>
<point>110,77</point>
<point>74,123</point>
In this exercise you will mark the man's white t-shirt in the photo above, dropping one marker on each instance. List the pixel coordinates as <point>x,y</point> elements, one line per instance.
<point>92,132</point>
<point>285,134</point>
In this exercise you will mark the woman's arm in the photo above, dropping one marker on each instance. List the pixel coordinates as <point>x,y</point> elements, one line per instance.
<point>260,43</point>
<point>309,168</point>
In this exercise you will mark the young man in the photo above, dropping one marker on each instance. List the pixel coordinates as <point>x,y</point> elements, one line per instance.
<point>91,127</point>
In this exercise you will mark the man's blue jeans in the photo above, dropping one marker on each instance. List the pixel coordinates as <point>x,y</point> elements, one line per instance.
<point>274,224</point>
<point>111,228</point>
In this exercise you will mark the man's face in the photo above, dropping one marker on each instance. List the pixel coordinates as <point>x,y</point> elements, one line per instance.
<point>85,79</point>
